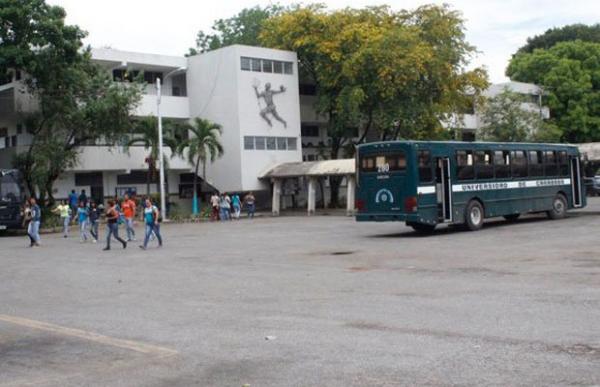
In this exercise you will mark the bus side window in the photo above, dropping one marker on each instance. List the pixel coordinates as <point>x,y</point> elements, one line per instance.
<point>519,164</point>
<point>502,164</point>
<point>464,165</point>
<point>425,172</point>
<point>563,163</point>
<point>484,168</point>
<point>536,166</point>
<point>550,164</point>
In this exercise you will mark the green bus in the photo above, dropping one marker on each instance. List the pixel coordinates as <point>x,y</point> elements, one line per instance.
<point>425,183</point>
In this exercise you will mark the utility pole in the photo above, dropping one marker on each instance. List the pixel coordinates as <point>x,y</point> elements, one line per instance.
<point>161,162</point>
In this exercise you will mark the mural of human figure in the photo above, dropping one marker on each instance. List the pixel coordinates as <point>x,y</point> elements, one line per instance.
<point>267,95</point>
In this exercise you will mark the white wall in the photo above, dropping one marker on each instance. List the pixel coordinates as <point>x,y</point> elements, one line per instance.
<point>254,162</point>
<point>212,94</point>
<point>220,91</point>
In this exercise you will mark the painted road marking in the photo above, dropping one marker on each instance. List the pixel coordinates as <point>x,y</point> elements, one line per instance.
<point>90,336</point>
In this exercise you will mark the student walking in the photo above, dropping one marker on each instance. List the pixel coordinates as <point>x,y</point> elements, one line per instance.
<point>214,202</point>
<point>237,206</point>
<point>82,217</point>
<point>250,202</point>
<point>151,219</point>
<point>73,201</point>
<point>112,226</point>
<point>64,211</point>
<point>94,220</point>
<point>128,207</point>
<point>83,198</point>
<point>225,206</point>
<point>27,220</point>
<point>33,228</point>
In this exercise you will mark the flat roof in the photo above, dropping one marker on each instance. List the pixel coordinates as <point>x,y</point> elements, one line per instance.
<point>338,167</point>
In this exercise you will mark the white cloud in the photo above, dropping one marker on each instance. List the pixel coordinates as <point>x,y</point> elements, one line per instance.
<point>496,27</point>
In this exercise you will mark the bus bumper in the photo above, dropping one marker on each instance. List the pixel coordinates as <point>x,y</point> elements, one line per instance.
<point>374,217</point>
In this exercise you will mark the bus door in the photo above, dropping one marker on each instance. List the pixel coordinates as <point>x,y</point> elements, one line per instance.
<point>576,181</point>
<point>443,189</point>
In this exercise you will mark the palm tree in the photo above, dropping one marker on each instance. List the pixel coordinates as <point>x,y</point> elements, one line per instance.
<point>203,145</point>
<point>145,133</point>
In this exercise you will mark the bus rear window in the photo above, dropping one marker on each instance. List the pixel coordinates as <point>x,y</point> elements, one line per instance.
<point>391,162</point>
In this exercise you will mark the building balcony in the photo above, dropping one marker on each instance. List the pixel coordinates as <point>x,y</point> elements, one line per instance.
<point>105,158</point>
<point>171,107</point>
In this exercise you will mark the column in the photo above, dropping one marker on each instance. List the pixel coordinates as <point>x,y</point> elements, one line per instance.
<point>276,197</point>
<point>312,194</point>
<point>350,194</point>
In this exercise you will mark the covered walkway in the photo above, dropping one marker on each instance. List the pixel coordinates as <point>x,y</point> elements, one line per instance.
<point>312,170</point>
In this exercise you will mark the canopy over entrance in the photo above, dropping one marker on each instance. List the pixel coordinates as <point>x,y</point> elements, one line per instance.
<point>312,170</point>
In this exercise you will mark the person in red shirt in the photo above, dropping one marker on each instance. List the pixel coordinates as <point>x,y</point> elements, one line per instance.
<point>128,209</point>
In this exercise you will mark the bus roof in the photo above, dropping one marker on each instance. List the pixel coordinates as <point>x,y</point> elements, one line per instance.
<point>474,144</point>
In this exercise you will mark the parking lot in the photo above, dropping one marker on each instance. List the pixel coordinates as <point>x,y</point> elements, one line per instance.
<point>298,301</point>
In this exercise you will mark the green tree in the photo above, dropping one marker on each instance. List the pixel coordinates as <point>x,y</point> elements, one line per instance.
<point>567,33</point>
<point>145,133</point>
<point>505,118</point>
<point>392,74</point>
<point>203,145</point>
<point>570,74</point>
<point>242,28</point>
<point>75,102</point>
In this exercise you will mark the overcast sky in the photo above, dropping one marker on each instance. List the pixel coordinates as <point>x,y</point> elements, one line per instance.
<point>496,27</point>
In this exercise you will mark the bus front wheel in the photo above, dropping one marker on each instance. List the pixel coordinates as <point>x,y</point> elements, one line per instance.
<point>422,228</point>
<point>474,215</point>
<point>559,207</point>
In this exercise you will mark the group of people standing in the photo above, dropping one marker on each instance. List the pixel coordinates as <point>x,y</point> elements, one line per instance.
<point>87,215</point>
<point>226,207</point>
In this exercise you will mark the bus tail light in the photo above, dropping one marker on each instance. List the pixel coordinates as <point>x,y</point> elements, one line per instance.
<point>410,204</point>
<point>359,204</point>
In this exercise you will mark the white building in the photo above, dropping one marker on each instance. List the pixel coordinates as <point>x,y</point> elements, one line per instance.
<point>229,86</point>
<point>470,122</point>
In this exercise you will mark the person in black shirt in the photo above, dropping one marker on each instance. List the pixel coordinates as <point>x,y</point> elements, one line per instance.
<point>112,227</point>
<point>94,220</point>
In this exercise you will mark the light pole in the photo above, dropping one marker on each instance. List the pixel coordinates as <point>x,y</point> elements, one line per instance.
<point>161,161</point>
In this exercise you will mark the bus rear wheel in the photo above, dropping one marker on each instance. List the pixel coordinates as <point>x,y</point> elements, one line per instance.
<point>422,228</point>
<point>474,215</point>
<point>559,207</point>
<point>512,217</point>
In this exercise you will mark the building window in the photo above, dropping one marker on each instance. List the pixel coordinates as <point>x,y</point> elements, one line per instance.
<point>19,129</point>
<point>255,64</point>
<point>176,92</point>
<point>281,143</point>
<point>309,130</point>
<point>245,63</point>
<point>292,143</point>
<point>266,65</point>
<point>152,76</point>
<point>248,142</point>
<point>92,179</point>
<point>135,177</point>
<point>125,75</point>
<point>288,68</point>
<point>270,143</point>
<point>13,141</point>
<point>3,132</point>
<point>260,143</point>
